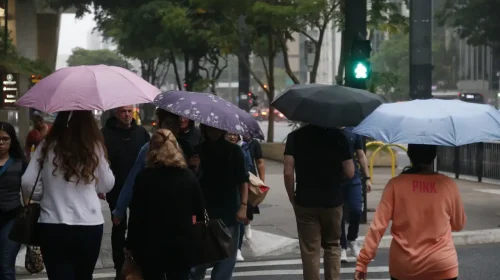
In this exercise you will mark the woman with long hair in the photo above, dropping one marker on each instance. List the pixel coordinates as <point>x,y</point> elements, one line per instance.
<point>425,207</point>
<point>73,169</point>
<point>166,201</point>
<point>12,166</point>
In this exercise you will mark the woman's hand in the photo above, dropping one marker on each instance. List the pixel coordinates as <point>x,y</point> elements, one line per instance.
<point>360,275</point>
<point>241,216</point>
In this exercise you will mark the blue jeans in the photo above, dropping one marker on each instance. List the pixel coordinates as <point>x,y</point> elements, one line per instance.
<point>353,196</point>
<point>8,252</point>
<point>223,270</point>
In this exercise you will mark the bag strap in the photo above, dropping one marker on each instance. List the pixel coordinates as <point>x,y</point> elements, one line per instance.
<point>36,181</point>
<point>6,166</point>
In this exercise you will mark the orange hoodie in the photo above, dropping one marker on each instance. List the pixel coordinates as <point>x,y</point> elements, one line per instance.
<point>424,209</point>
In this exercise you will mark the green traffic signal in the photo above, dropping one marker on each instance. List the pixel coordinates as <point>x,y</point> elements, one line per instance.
<point>361,71</point>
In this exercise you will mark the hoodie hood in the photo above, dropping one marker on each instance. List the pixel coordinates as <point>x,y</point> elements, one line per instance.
<point>112,123</point>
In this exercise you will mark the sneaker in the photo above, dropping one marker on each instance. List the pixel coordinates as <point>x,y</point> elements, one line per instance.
<point>248,232</point>
<point>343,256</point>
<point>239,256</point>
<point>353,245</point>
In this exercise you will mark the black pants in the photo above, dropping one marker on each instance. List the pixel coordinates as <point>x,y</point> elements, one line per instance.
<point>118,233</point>
<point>70,252</point>
<point>392,278</point>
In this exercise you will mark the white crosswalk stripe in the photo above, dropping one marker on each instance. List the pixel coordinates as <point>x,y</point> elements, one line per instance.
<point>284,269</point>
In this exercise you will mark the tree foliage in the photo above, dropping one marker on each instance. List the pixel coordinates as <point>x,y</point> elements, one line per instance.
<point>391,67</point>
<point>477,21</point>
<point>82,56</point>
<point>11,60</point>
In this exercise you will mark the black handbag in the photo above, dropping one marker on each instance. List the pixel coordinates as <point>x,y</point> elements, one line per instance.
<point>24,229</point>
<point>210,242</point>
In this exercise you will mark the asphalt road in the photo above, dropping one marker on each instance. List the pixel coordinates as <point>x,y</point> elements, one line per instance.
<point>477,262</point>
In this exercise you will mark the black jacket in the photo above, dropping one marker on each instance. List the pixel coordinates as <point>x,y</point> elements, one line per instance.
<point>162,208</point>
<point>123,147</point>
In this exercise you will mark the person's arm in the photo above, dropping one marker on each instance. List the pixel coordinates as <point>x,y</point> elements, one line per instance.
<point>242,177</point>
<point>27,146</point>
<point>30,176</point>
<point>137,214</point>
<point>345,156</point>
<point>198,200</point>
<point>289,169</point>
<point>383,215</point>
<point>363,161</point>
<point>457,217</point>
<point>126,193</point>
<point>259,160</point>
<point>105,177</point>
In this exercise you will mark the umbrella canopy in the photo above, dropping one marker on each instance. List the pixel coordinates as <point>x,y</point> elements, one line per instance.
<point>93,87</point>
<point>432,122</point>
<point>210,110</point>
<point>326,105</point>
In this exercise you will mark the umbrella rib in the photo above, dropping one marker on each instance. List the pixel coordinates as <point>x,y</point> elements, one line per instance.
<point>97,88</point>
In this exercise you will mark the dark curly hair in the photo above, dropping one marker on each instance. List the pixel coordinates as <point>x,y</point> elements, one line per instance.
<point>75,138</point>
<point>15,150</point>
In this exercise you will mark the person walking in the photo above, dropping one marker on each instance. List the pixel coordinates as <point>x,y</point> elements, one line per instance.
<point>36,135</point>
<point>123,139</point>
<point>12,166</point>
<point>424,207</point>
<point>189,132</point>
<point>223,178</point>
<point>166,120</point>
<point>321,159</point>
<point>69,169</point>
<point>236,139</point>
<point>257,168</point>
<point>352,192</point>
<point>166,197</point>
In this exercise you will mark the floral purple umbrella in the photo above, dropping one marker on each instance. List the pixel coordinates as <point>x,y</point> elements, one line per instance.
<point>210,110</point>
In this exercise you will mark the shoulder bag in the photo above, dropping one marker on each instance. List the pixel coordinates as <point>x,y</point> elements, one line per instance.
<point>25,223</point>
<point>210,242</point>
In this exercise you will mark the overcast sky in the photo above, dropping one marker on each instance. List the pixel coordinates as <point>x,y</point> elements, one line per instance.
<point>73,32</point>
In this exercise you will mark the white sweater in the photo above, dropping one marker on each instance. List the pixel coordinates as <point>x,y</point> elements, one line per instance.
<point>64,202</point>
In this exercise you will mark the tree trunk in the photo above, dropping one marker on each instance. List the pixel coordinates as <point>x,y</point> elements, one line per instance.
<point>286,61</point>
<point>176,70</point>
<point>343,53</point>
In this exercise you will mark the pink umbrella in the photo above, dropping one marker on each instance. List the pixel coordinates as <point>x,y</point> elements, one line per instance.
<point>92,87</point>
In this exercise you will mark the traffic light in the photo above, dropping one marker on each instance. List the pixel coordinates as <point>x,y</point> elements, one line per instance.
<point>358,68</point>
<point>35,79</point>
<point>252,100</point>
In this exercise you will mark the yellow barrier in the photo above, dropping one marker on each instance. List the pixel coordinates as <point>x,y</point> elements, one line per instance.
<point>382,146</point>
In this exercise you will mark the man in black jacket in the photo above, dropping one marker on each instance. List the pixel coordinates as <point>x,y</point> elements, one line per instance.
<point>123,139</point>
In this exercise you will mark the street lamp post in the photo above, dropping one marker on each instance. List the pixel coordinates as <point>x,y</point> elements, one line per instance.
<point>310,51</point>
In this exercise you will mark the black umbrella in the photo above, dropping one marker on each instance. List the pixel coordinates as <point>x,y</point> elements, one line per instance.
<point>326,105</point>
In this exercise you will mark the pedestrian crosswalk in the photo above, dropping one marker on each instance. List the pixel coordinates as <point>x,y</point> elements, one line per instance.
<point>278,269</point>
<point>291,269</point>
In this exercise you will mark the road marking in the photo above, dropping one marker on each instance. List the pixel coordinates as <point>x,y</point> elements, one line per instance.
<point>492,191</point>
<point>280,262</point>
<point>277,272</point>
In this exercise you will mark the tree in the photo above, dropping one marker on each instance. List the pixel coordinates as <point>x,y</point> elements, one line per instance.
<point>391,67</point>
<point>476,21</point>
<point>11,60</point>
<point>82,56</point>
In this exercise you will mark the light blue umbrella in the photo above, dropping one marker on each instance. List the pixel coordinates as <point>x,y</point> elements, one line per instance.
<point>432,122</point>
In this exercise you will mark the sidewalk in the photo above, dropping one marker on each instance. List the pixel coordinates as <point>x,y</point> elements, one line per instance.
<point>275,229</point>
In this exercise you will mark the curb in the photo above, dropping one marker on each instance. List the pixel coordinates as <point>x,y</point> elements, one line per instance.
<point>473,237</point>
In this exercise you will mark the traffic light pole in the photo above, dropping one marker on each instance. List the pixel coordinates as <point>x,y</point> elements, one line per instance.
<point>421,49</point>
<point>355,26</point>
<point>243,72</point>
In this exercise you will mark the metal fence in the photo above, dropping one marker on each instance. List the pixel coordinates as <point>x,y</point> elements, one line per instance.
<point>481,160</point>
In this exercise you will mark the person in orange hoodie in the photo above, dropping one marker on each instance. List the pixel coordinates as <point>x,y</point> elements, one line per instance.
<point>425,207</point>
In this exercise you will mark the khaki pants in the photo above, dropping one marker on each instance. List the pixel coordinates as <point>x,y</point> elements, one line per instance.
<point>319,228</point>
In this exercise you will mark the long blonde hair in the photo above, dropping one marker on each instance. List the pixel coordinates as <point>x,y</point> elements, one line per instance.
<point>164,150</point>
